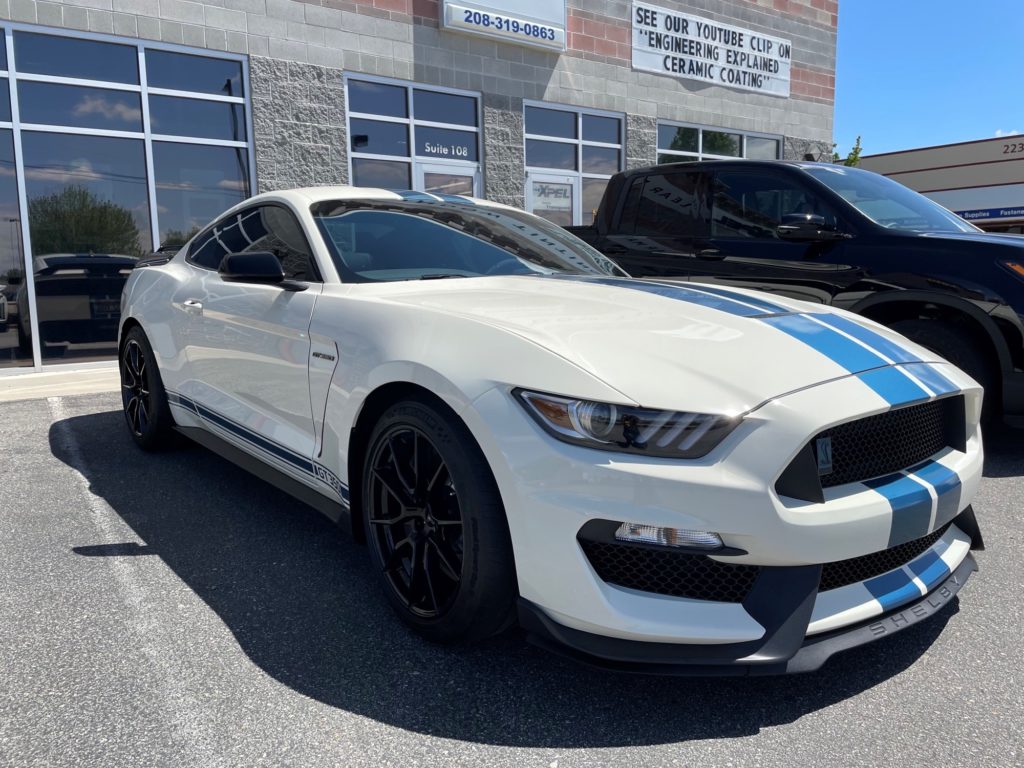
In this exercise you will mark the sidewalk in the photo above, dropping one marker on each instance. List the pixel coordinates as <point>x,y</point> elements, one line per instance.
<point>87,381</point>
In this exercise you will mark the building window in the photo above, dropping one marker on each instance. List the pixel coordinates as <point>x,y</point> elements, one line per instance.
<point>680,143</point>
<point>408,136</point>
<point>121,147</point>
<point>570,155</point>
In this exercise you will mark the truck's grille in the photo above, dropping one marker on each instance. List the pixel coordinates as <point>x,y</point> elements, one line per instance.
<point>875,446</point>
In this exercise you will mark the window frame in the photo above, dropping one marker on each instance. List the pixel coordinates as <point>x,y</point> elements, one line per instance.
<point>247,209</point>
<point>793,180</point>
<point>578,173</point>
<point>700,154</point>
<point>411,160</point>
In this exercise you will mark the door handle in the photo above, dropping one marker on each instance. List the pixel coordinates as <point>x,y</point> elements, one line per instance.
<point>193,307</point>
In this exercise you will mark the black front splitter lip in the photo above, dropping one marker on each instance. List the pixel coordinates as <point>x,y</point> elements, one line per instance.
<point>639,657</point>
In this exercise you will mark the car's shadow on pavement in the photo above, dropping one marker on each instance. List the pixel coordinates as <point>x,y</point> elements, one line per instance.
<point>1004,452</point>
<point>303,605</point>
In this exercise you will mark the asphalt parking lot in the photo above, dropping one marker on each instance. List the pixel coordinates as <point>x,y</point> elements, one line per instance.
<point>172,610</point>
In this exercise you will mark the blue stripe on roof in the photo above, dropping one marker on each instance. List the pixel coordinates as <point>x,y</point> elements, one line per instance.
<point>930,568</point>
<point>875,340</point>
<point>893,385</point>
<point>766,306</point>
<point>911,506</point>
<point>892,589</point>
<point>947,487</point>
<point>836,347</point>
<point>932,378</point>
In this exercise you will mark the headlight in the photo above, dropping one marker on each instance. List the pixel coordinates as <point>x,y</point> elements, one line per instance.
<point>608,427</point>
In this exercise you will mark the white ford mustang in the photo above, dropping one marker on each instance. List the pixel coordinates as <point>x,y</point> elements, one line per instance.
<point>646,475</point>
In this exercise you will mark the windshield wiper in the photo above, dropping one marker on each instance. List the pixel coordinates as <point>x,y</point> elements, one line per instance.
<point>439,277</point>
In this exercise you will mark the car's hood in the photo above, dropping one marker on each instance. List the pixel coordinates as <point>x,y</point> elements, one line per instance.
<point>668,345</point>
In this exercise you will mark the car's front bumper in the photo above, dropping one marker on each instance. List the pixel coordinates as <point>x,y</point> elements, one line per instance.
<point>784,649</point>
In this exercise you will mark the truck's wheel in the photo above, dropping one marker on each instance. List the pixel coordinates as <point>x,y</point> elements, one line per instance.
<point>959,347</point>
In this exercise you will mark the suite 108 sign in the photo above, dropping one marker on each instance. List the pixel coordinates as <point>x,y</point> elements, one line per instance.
<point>696,48</point>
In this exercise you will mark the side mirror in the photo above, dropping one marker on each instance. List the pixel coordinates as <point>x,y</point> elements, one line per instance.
<point>251,267</point>
<point>807,227</point>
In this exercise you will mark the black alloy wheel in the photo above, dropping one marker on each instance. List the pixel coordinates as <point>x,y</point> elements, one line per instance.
<point>436,525</point>
<point>416,521</point>
<point>135,393</point>
<point>142,395</point>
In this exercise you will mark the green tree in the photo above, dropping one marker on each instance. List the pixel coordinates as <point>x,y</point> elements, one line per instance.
<point>177,237</point>
<point>852,159</point>
<point>76,220</point>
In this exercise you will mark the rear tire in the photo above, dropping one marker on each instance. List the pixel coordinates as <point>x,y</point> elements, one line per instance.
<point>436,527</point>
<point>959,347</point>
<point>143,397</point>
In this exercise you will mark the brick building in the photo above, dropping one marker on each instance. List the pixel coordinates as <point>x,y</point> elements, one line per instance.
<point>145,118</point>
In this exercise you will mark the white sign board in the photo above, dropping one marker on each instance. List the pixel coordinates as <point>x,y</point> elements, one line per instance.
<point>695,48</point>
<point>538,23</point>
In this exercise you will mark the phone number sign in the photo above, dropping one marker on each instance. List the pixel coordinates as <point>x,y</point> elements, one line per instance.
<point>695,48</point>
<point>524,22</point>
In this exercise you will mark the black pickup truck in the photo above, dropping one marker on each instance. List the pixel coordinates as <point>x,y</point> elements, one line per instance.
<point>833,235</point>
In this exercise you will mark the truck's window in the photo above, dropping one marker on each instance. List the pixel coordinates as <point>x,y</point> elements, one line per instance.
<point>749,204</point>
<point>672,205</point>
<point>627,222</point>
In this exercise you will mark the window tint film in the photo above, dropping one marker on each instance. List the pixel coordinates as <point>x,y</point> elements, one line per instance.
<point>678,138</point>
<point>12,262</point>
<point>385,174</point>
<point>79,107</point>
<point>551,122</point>
<point>71,57</point>
<point>673,205</point>
<point>379,138</point>
<point>375,242</point>
<point>601,129</point>
<point>551,154</point>
<point>5,101</point>
<point>752,205</point>
<point>185,72</point>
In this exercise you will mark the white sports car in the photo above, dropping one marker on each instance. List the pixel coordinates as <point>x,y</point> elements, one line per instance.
<point>644,475</point>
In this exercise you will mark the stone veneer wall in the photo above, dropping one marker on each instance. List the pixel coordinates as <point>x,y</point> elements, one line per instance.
<point>298,115</point>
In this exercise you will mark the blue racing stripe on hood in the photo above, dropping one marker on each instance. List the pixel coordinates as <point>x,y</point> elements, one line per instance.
<point>911,506</point>
<point>836,347</point>
<point>893,385</point>
<point>930,376</point>
<point>767,307</point>
<point>671,291</point>
<point>876,341</point>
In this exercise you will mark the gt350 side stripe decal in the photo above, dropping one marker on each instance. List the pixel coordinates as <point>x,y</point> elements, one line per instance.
<point>306,465</point>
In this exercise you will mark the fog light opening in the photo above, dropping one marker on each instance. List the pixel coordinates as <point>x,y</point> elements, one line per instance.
<point>668,537</point>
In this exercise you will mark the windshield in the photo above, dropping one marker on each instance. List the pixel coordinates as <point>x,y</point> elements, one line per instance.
<point>887,202</point>
<point>383,240</point>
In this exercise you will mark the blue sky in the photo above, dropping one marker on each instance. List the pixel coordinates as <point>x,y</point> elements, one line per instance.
<point>913,73</point>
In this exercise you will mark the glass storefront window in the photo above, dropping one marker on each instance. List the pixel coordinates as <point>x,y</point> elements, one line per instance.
<point>380,173</point>
<point>90,205</point>
<point>200,74</point>
<point>74,57</point>
<point>195,184</point>
<point>586,144</point>
<point>688,143</point>
<point>438,107</point>
<point>173,116</point>
<point>78,106</point>
<point>438,144</point>
<point>15,332</point>
<point>377,99</point>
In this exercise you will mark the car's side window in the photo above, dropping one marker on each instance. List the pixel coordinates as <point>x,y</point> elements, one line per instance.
<point>748,204</point>
<point>673,205</point>
<point>262,228</point>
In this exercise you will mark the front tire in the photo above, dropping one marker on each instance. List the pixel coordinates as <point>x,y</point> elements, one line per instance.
<point>436,526</point>
<point>143,397</point>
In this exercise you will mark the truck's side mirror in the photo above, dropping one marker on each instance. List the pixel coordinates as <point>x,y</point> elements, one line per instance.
<point>807,227</point>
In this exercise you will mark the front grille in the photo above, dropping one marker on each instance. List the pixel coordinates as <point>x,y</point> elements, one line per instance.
<point>843,572</point>
<point>670,573</point>
<point>888,442</point>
